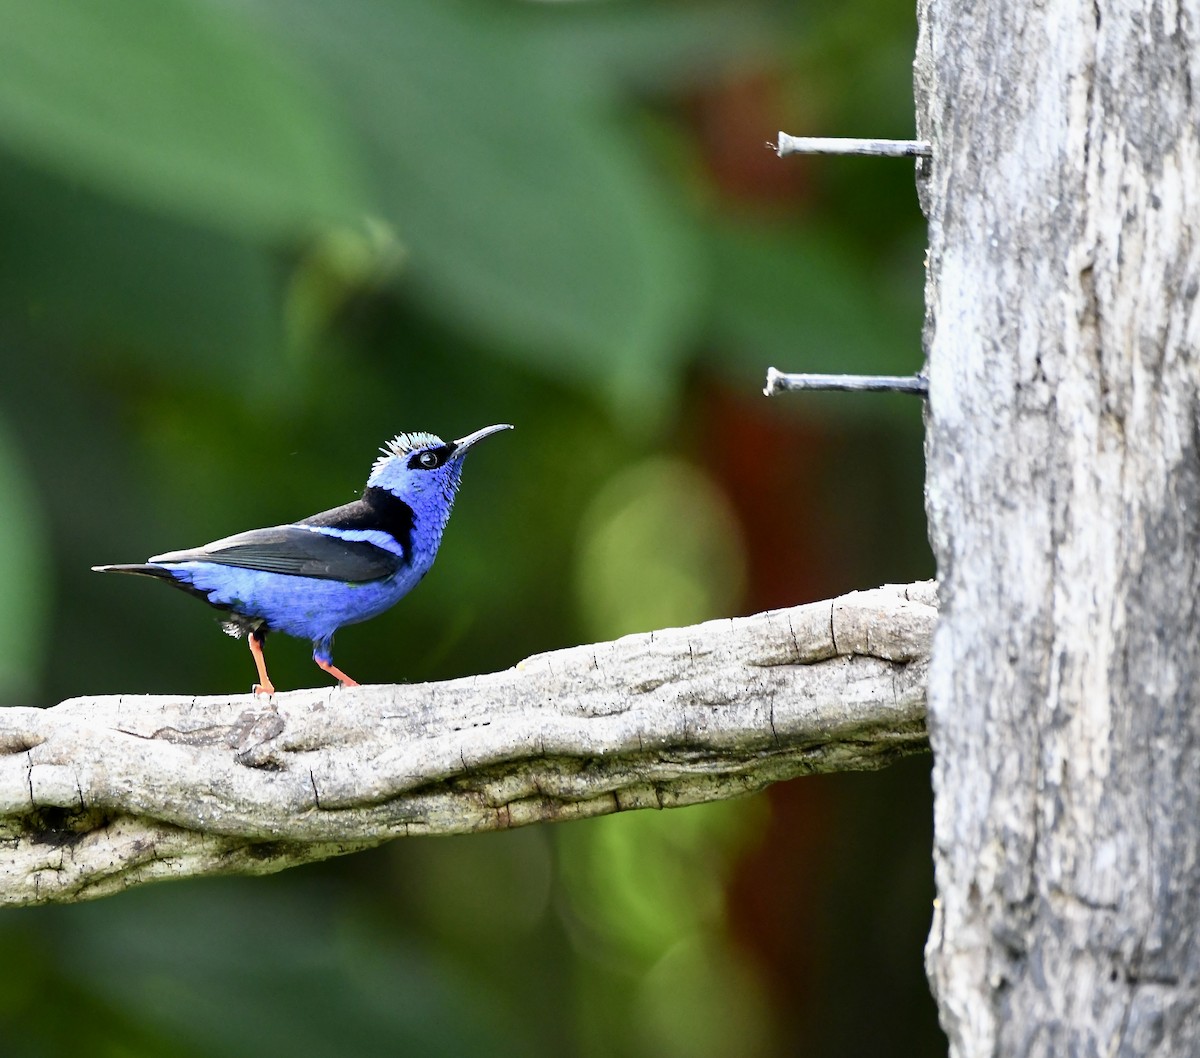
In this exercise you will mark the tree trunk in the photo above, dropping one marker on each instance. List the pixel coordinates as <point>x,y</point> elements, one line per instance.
<point>1063,199</point>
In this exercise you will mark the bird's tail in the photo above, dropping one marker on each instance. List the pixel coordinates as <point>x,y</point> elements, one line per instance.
<point>139,568</point>
<point>173,576</point>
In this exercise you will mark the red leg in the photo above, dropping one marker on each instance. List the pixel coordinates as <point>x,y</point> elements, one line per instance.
<point>264,685</point>
<point>336,673</point>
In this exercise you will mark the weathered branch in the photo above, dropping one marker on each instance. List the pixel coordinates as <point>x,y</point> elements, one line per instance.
<point>100,794</point>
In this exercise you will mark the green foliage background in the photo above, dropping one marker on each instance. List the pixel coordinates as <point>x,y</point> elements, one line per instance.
<point>241,245</point>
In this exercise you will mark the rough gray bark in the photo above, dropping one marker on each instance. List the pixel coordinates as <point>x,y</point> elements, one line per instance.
<point>100,794</point>
<point>1063,200</point>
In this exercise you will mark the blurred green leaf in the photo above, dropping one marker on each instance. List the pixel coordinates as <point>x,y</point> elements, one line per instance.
<point>237,967</point>
<point>178,104</point>
<point>796,299</point>
<point>24,587</point>
<point>703,999</point>
<point>93,271</point>
<point>642,881</point>
<point>519,869</point>
<point>655,48</point>
<point>529,217</point>
<point>660,547</point>
<point>646,891</point>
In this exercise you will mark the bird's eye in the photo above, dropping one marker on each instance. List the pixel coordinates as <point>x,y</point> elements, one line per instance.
<point>431,458</point>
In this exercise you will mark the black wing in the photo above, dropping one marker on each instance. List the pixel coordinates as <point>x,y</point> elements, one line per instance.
<point>378,509</point>
<point>297,552</point>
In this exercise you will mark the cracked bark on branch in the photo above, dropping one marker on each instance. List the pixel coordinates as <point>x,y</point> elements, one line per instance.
<point>98,794</point>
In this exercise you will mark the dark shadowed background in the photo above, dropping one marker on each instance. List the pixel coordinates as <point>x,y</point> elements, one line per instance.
<point>244,243</point>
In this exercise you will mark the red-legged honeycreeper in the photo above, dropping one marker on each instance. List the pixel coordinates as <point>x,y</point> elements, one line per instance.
<point>336,568</point>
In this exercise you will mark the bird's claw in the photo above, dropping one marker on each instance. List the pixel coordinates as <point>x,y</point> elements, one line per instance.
<point>263,688</point>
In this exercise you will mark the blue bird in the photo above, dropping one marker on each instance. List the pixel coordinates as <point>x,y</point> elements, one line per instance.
<point>345,565</point>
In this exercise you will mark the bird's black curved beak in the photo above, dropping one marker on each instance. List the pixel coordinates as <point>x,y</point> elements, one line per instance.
<point>463,443</point>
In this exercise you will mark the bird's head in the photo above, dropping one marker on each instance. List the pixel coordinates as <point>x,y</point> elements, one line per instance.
<point>421,468</point>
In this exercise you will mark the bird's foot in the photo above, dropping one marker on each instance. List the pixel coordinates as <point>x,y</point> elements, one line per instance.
<point>336,673</point>
<point>264,686</point>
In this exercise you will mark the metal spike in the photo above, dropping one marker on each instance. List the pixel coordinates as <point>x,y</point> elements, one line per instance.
<point>778,381</point>
<point>845,145</point>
